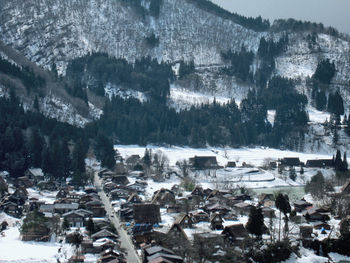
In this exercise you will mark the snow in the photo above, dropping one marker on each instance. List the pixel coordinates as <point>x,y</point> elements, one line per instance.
<point>180,98</point>
<point>307,256</point>
<point>271,116</point>
<point>253,156</point>
<point>30,252</point>
<point>338,258</point>
<point>47,197</point>
<point>317,116</point>
<point>112,90</point>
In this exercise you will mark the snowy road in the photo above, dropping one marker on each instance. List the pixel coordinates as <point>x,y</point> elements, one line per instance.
<point>124,238</point>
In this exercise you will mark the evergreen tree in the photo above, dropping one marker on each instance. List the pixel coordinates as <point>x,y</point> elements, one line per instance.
<point>78,163</point>
<point>35,148</point>
<point>282,204</point>
<point>255,224</point>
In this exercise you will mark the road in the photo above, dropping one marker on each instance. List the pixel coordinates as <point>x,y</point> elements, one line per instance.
<point>124,238</point>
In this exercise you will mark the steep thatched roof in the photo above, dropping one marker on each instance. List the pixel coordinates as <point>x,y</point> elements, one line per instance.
<point>146,213</point>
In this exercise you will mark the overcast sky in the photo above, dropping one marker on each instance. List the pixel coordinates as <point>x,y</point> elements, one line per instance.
<point>335,13</point>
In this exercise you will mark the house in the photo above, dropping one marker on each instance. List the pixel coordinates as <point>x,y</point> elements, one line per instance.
<point>301,205</point>
<point>216,222</point>
<point>24,181</point>
<point>75,219</point>
<point>137,187</point>
<point>119,194</point>
<point>142,233</point>
<point>163,197</point>
<point>39,232</point>
<point>175,208</point>
<point>177,232</point>
<point>305,231</point>
<point>109,186</point>
<point>265,197</point>
<point>35,174</point>
<point>316,214</point>
<point>198,190</point>
<point>204,162</point>
<point>184,220</point>
<point>242,208</point>
<point>62,208</point>
<point>290,161</point>
<point>217,208</point>
<point>320,163</point>
<point>345,190</point>
<point>120,179</point>
<point>47,208</point>
<point>104,234</point>
<point>96,207</point>
<point>134,199</point>
<point>160,254</point>
<point>146,213</point>
<point>235,234</point>
<point>62,193</point>
<point>231,164</point>
<point>11,209</point>
<point>268,212</point>
<point>199,216</point>
<point>47,185</point>
<point>126,214</point>
<point>76,259</point>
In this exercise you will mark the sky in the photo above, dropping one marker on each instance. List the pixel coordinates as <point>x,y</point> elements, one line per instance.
<point>335,13</point>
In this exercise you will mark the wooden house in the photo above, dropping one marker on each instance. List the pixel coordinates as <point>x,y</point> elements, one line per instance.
<point>11,209</point>
<point>316,214</point>
<point>134,199</point>
<point>36,232</point>
<point>231,164</point>
<point>119,193</point>
<point>62,208</point>
<point>126,214</point>
<point>104,234</point>
<point>235,234</point>
<point>199,216</point>
<point>24,181</point>
<point>242,208</point>
<point>204,162</point>
<point>320,163</point>
<point>35,174</point>
<point>146,213</point>
<point>290,161</point>
<point>216,222</point>
<point>301,205</point>
<point>184,220</point>
<point>268,212</point>
<point>75,219</point>
<point>96,207</point>
<point>163,197</point>
<point>62,193</point>
<point>305,231</point>
<point>120,179</point>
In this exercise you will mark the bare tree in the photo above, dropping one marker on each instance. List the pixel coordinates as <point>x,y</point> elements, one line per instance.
<point>184,167</point>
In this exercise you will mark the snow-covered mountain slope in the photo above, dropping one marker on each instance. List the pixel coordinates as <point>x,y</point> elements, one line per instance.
<point>53,31</point>
<point>50,31</point>
<point>53,99</point>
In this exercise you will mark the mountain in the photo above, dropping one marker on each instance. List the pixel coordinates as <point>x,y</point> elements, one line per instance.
<point>53,33</point>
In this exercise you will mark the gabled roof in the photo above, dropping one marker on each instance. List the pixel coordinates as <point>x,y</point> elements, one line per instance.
<point>103,233</point>
<point>345,186</point>
<point>73,213</point>
<point>36,171</point>
<point>156,249</point>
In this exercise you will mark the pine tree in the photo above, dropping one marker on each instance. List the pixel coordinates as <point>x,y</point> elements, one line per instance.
<point>78,163</point>
<point>255,222</point>
<point>282,204</point>
<point>35,148</point>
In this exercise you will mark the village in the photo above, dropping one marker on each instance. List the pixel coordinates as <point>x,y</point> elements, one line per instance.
<point>151,209</point>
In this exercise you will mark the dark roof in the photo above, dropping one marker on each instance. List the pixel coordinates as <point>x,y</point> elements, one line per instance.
<point>156,249</point>
<point>204,162</point>
<point>167,256</point>
<point>291,161</point>
<point>237,230</point>
<point>320,163</point>
<point>146,213</point>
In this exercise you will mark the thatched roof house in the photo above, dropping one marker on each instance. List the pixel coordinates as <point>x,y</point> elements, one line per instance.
<point>146,214</point>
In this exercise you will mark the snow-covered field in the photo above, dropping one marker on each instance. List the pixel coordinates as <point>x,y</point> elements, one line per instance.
<point>253,156</point>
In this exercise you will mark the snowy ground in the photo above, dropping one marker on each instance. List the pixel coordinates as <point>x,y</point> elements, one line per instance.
<point>181,98</point>
<point>253,156</point>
